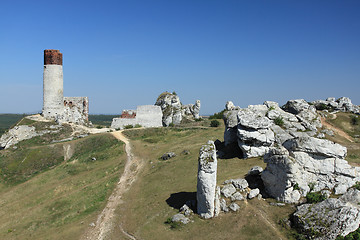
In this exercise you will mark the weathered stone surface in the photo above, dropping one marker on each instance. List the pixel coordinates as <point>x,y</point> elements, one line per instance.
<point>238,183</point>
<point>296,106</point>
<point>223,205</point>
<point>185,209</point>
<point>228,190</point>
<point>307,161</point>
<point>317,146</point>
<point>17,134</point>
<point>206,180</point>
<point>180,218</point>
<point>256,170</point>
<point>168,155</point>
<point>253,193</point>
<point>328,219</point>
<point>234,207</point>
<point>171,108</point>
<point>342,104</point>
<point>237,197</point>
<point>217,202</point>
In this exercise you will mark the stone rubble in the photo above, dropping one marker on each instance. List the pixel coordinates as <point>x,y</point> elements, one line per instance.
<point>342,104</point>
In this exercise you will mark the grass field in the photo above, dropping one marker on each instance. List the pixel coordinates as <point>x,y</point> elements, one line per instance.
<point>44,197</point>
<point>101,119</point>
<point>164,186</point>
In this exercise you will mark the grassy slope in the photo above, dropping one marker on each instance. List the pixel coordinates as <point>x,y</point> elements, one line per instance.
<point>102,119</point>
<point>61,201</point>
<point>343,122</point>
<point>8,120</point>
<point>146,209</point>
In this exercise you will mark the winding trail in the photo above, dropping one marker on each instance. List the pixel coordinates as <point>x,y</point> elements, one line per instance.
<point>335,129</point>
<point>105,220</point>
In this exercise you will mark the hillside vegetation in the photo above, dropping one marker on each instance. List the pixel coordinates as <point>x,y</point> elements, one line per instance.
<point>55,190</point>
<point>44,197</point>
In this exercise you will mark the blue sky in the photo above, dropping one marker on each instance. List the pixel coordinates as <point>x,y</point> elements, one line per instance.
<point>125,53</point>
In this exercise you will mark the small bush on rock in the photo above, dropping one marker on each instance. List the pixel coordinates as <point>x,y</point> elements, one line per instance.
<point>214,123</point>
<point>128,126</point>
<point>315,197</point>
<point>279,121</point>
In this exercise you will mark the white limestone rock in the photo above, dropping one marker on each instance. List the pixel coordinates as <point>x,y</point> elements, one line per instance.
<point>206,180</point>
<point>228,190</point>
<point>327,219</point>
<point>234,207</point>
<point>180,218</point>
<point>253,193</point>
<point>171,108</point>
<point>256,170</point>
<point>17,134</point>
<point>307,161</point>
<point>237,197</point>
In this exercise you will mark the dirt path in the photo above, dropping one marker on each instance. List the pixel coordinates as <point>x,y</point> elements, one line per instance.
<point>105,221</point>
<point>335,129</point>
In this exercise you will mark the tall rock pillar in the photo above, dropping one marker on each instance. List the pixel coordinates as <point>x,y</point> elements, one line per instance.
<point>206,181</point>
<point>53,105</point>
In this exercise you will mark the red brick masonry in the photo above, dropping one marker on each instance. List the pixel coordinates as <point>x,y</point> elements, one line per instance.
<point>52,57</point>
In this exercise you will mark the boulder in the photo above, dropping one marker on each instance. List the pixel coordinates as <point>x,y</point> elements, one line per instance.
<point>253,193</point>
<point>234,207</point>
<point>237,197</point>
<point>255,171</point>
<point>238,183</point>
<point>168,155</point>
<point>206,180</point>
<point>171,108</point>
<point>328,219</point>
<point>303,162</point>
<point>228,190</point>
<point>180,218</point>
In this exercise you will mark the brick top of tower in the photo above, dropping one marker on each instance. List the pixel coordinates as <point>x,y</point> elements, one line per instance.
<point>52,56</point>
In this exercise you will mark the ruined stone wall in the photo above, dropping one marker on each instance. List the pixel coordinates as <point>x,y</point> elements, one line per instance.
<point>53,97</point>
<point>76,109</point>
<point>146,116</point>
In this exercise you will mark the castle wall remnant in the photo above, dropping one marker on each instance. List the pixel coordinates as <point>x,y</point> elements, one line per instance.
<point>145,115</point>
<point>56,106</point>
<point>53,84</point>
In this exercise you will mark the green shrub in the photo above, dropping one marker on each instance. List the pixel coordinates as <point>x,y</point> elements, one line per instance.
<point>214,123</point>
<point>137,126</point>
<point>315,197</point>
<point>171,125</point>
<point>128,126</point>
<point>351,236</point>
<point>218,115</point>
<point>354,120</point>
<point>173,225</point>
<point>296,186</point>
<point>357,185</point>
<point>198,119</point>
<point>279,121</point>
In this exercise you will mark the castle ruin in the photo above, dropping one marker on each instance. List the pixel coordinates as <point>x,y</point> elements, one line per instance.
<point>56,106</point>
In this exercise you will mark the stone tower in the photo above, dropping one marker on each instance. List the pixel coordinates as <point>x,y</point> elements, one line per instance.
<point>53,106</point>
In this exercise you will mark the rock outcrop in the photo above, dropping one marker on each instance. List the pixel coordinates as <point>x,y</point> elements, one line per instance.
<point>17,134</point>
<point>173,111</point>
<point>206,181</point>
<point>258,127</point>
<point>330,218</point>
<point>342,104</point>
<point>304,164</point>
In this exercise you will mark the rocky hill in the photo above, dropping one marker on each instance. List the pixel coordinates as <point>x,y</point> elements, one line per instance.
<point>296,176</point>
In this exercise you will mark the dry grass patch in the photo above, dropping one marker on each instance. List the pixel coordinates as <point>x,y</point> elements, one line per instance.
<point>163,186</point>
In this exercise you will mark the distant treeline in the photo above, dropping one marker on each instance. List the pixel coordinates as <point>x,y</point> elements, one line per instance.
<point>101,119</point>
<point>9,120</point>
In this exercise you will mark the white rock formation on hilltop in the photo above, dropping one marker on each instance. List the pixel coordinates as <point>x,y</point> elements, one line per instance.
<point>173,111</point>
